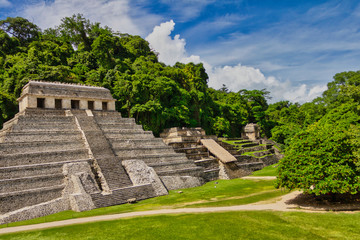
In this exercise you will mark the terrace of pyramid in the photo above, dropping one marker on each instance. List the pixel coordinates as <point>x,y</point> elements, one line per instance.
<point>68,149</point>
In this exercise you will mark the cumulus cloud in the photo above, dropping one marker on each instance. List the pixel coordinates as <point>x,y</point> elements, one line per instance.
<point>244,77</point>
<point>5,3</point>
<point>116,14</point>
<point>237,77</point>
<point>171,50</point>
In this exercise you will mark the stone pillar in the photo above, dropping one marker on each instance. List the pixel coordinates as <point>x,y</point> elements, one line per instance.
<point>111,106</point>
<point>66,103</point>
<point>83,104</point>
<point>32,102</point>
<point>49,102</point>
<point>98,105</point>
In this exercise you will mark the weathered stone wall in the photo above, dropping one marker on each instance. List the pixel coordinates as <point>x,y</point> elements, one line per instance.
<point>141,174</point>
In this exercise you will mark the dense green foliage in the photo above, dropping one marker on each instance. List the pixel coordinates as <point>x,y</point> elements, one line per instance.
<point>323,157</point>
<point>321,137</point>
<point>156,95</point>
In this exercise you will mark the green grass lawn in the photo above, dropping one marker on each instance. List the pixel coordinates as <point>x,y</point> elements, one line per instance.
<point>215,193</point>
<point>228,225</point>
<point>266,171</point>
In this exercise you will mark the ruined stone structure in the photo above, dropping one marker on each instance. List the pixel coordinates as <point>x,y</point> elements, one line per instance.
<point>48,95</point>
<point>251,131</point>
<point>219,159</point>
<point>68,149</point>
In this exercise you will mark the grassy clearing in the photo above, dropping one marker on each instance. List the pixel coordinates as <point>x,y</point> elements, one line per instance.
<point>266,171</point>
<point>215,193</point>
<point>229,225</point>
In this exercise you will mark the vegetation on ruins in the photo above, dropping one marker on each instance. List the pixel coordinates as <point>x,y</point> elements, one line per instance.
<point>321,137</point>
<point>156,95</point>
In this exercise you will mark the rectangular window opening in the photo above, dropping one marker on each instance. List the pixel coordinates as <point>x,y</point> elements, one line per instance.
<point>91,105</point>
<point>41,103</point>
<point>105,106</point>
<point>75,104</point>
<point>58,104</point>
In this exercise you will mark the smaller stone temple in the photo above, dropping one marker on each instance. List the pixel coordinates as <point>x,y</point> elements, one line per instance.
<point>251,131</point>
<point>50,95</point>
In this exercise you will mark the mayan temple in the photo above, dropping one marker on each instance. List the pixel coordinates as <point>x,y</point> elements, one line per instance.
<point>68,149</point>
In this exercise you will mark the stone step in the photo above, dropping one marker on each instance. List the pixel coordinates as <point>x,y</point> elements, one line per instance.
<point>47,119</point>
<point>107,114</point>
<point>122,195</point>
<point>252,149</point>
<point>16,136</point>
<point>248,145</point>
<point>197,156</point>
<point>39,146</point>
<point>232,151</point>
<point>35,169</point>
<point>156,158</point>
<point>246,158</point>
<point>139,151</point>
<point>243,142</point>
<point>7,160</point>
<point>211,174</point>
<point>118,143</point>
<point>160,167</point>
<point>207,163</point>
<point>115,120</point>
<point>263,153</point>
<point>11,201</point>
<point>45,112</point>
<point>44,127</point>
<point>126,131</point>
<point>27,183</point>
<point>191,150</point>
<point>250,167</point>
<point>129,136</point>
<point>184,144</point>
<point>193,171</point>
<point>119,126</point>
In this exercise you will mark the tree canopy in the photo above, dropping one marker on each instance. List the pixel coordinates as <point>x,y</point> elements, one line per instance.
<point>323,157</point>
<point>156,95</point>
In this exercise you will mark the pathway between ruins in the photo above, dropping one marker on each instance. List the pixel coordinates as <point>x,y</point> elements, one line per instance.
<point>276,206</point>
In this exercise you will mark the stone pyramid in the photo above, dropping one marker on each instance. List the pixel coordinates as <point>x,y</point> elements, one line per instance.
<point>68,148</point>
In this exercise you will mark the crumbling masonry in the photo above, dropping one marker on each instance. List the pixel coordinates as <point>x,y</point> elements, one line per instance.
<point>68,148</point>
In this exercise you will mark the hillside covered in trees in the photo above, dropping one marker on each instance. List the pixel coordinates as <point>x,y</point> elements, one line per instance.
<point>156,95</point>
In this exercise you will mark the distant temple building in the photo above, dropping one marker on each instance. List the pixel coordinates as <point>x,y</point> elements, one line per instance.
<point>52,95</point>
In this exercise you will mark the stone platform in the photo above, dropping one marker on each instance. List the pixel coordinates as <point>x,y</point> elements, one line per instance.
<point>53,160</point>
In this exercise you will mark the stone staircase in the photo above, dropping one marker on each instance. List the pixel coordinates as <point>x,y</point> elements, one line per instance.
<point>188,141</point>
<point>38,144</point>
<point>262,154</point>
<point>130,142</point>
<point>33,150</point>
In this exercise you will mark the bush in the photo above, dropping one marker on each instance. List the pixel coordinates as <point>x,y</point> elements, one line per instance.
<point>324,158</point>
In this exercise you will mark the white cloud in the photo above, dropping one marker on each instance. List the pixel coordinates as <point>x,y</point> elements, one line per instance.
<point>5,3</point>
<point>172,50</point>
<point>113,13</point>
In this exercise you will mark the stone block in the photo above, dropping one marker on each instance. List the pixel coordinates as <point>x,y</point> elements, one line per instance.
<point>141,174</point>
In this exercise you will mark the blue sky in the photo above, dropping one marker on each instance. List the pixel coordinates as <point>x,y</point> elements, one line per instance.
<point>292,48</point>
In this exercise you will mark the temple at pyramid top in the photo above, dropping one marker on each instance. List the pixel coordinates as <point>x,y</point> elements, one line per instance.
<point>50,95</point>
